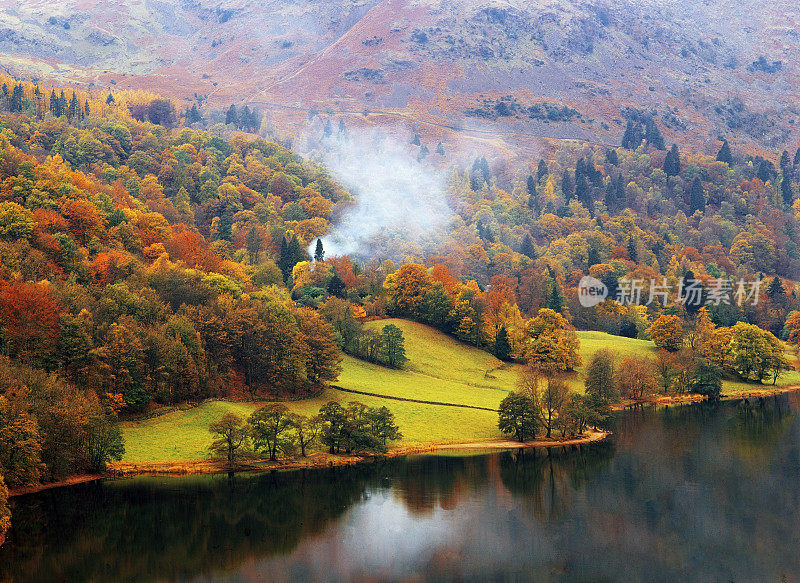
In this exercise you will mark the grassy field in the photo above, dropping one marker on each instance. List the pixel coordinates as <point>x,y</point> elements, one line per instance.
<point>439,369</point>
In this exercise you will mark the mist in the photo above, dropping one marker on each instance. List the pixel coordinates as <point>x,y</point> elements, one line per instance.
<point>400,208</point>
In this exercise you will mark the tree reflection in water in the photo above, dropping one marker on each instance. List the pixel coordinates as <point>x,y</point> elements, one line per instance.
<point>700,492</point>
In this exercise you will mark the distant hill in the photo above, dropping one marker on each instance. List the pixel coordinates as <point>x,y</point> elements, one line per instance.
<point>472,74</point>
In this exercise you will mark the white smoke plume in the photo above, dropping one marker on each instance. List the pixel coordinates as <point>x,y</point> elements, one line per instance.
<point>401,206</point>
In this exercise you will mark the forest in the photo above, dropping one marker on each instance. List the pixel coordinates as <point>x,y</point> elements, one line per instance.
<point>143,265</point>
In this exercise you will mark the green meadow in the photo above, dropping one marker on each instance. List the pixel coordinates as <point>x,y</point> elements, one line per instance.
<point>440,369</point>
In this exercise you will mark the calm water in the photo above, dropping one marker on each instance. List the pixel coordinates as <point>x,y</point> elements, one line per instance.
<point>695,493</point>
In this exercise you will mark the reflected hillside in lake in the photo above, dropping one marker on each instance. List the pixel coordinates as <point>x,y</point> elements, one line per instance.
<point>700,492</point>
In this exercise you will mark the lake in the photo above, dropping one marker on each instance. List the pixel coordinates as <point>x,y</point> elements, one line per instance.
<point>690,493</point>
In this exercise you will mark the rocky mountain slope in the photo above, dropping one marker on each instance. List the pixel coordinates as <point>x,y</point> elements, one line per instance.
<point>482,73</point>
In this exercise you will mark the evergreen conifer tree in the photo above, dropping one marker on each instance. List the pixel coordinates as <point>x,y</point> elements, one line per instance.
<point>724,154</point>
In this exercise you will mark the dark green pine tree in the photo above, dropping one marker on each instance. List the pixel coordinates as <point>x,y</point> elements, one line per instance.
<point>530,185</point>
<point>797,158</point>
<point>527,248</point>
<point>283,261</point>
<point>502,347</point>
<point>319,251</point>
<point>632,138</point>
<point>583,191</point>
<point>542,170</point>
<point>296,252</point>
<point>724,154</point>
<point>336,286</point>
<point>109,99</point>
<point>615,195</point>
<point>567,185</point>
<point>440,149</point>
<point>776,291</point>
<point>633,253</point>
<point>555,298</point>
<point>74,111</point>
<point>224,227</point>
<point>62,103</point>
<point>231,117</point>
<point>54,109</point>
<point>785,163</point>
<point>786,190</point>
<point>766,170</point>
<point>697,198</point>
<point>477,177</point>
<point>593,257</point>
<point>611,282</point>
<point>612,157</point>
<point>86,109</point>
<point>653,135</point>
<point>17,98</point>
<point>672,162</point>
<point>244,119</point>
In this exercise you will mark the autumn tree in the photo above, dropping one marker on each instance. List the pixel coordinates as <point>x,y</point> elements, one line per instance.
<point>318,346</point>
<point>793,328</point>
<point>405,290</point>
<point>717,349</point>
<point>667,332</point>
<point>599,379</point>
<point>757,354</point>
<point>551,344</point>
<point>231,438</point>
<point>635,378</point>
<point>551,403</point>
<point>20,445</point>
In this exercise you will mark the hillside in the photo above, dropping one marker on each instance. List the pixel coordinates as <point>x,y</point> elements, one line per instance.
<point>440,369</point>
<point>448,68</point>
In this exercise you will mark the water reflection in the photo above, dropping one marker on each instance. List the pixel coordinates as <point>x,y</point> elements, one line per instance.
<point>702,492</point>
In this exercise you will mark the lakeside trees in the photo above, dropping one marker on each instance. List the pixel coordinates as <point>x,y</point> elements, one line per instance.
<point>543,402</point>
<point>50,429</point>
<point>518,416</point>
<point>357,428</point>
<point>276,431</point>
<point>270,425</point>
<point>231,438</point>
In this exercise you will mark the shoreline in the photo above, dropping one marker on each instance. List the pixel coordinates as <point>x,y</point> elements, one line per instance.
<point>688,399</point>
<point>325,460</point>
<point>314,461</point>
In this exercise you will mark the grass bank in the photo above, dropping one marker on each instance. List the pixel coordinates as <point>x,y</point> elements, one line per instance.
<point>440,369</point>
